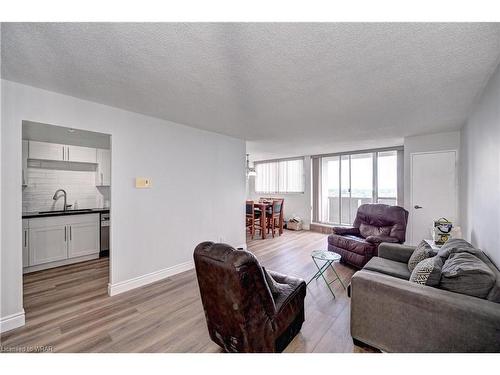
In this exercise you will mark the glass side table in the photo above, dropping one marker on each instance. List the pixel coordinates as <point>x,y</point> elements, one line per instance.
<point>328,257</point>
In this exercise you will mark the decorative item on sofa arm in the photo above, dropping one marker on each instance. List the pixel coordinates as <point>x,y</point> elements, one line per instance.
<point>374,224</point>
<point>244,311</point>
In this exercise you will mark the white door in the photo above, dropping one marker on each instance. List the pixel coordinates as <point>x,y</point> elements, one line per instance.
<point>47,244</point>
<point>83,235</point>
<point>46,151</point>
<point>433,191</point>
<point>81,154</point>
<point>103,177</point>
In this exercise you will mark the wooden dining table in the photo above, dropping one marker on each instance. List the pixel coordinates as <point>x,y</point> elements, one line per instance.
<point>262,206</point>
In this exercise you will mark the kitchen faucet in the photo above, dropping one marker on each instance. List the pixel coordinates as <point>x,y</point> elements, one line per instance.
<point>55,197</point>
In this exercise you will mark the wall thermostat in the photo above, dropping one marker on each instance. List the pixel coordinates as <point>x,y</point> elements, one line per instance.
<point>142,182</point>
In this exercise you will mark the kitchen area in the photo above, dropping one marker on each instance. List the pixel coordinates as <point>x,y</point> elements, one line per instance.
<point>66,200</point>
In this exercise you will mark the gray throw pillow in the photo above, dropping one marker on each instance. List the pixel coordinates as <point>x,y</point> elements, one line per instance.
<point>428,271</point>
<point>459,245</point>
<point>421,252</point>
<point>467,274</point>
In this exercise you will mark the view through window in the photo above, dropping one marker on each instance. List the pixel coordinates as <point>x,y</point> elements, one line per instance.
<point>348,181</point>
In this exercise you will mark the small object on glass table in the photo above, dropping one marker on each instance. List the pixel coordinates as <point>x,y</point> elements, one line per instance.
<point>329,257</point>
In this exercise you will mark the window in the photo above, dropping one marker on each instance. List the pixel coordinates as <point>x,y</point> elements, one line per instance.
<point>347,181</point>
<point>280,176</point>
<point>387,177</point>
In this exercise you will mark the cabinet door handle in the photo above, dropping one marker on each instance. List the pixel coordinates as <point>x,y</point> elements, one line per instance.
<point>25,233</point>
<point>68,153</point>
<point>70,235</point>
<point>101,179</point>
<point>65,233</point>
<point>63,151</point>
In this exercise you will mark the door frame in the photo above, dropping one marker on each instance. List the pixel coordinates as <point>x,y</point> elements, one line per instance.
<point>111,247</point>
<point>455,151</point>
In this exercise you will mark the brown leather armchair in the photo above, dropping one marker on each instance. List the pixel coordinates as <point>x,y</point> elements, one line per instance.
<point>374,224</point>
<point>242,313</point>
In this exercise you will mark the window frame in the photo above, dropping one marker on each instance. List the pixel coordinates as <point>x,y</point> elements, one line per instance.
<point>317,178</point>
<point>303,177</point>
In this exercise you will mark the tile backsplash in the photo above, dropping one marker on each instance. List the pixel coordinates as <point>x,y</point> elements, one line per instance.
<point>79,185</point>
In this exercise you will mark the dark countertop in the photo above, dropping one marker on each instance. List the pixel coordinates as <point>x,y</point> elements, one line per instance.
<point>31,215</point>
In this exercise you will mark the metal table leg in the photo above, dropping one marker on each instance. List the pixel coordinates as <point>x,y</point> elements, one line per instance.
<point>321,270</point>
<point>337,275</point>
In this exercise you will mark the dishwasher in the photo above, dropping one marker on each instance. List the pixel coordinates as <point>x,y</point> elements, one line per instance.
<point>105,223</point>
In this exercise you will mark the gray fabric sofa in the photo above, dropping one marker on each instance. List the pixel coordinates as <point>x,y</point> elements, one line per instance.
<point>392,314</point>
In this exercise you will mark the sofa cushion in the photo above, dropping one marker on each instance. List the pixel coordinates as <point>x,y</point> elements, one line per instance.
<point>275,287</point>
<point>458,245</point>
<point>388,267</point>
<point>367,230</point>
<point>494,294</point>
<point>428,271</point>
<point>467,274</point>
<point>421,252</point>
<point>351,243</point>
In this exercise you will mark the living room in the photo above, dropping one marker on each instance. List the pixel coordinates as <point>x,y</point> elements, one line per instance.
<point>366,155</point>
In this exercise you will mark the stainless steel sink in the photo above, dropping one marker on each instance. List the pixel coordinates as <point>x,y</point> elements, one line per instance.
<point>65,212</point>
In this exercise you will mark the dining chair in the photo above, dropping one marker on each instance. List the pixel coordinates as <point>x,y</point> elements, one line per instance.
<point>252,218</point>
<point>281,216</point>
<point>274,216</point>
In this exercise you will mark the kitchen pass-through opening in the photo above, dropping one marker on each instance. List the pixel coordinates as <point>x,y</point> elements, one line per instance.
<point>66,213</point>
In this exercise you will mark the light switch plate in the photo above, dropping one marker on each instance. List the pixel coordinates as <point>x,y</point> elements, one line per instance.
<point>142,182</point>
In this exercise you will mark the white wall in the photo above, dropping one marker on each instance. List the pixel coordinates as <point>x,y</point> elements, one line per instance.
<point>295,203</point>
<point>197,194</point>
<point>481,172</point>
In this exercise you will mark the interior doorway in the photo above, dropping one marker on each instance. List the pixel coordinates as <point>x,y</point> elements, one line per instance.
<point>66,211</point>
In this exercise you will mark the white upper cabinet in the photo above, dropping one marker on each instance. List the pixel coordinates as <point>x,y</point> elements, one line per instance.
<point>103,173</point>
<point>58,152</point>
<point>46,151</point>
<point>80,154</point>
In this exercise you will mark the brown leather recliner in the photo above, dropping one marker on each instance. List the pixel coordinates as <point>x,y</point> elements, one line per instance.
<point>374,223</point>
<point>242,314</point>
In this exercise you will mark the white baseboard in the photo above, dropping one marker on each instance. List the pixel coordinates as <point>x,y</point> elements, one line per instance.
<point>136,282</point>
<point>12,321</point>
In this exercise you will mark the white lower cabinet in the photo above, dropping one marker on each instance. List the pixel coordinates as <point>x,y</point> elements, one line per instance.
<point>48,244</point>
<point>83,238</point>
<point>53,241</point>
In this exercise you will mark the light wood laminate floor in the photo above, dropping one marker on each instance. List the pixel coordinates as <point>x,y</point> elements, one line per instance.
<point>68,309</point>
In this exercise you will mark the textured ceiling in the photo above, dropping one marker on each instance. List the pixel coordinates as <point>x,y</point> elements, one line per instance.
<point>286,88</point>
